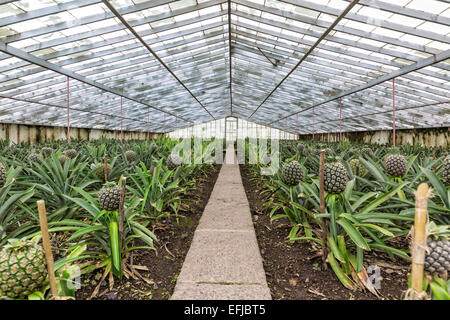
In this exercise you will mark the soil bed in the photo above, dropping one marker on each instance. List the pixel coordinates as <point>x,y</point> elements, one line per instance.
<point>293,270</point>
<point>164,264</point>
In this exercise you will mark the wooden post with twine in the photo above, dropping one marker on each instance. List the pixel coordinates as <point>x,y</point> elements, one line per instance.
<point>322,208</point>
<point>122,210</point>
<point>419,242</point>
<point>47,247</point>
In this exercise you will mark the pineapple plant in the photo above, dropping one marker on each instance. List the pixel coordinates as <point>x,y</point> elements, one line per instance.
<point>292,173</point>
<point>46,151</point>
<point>355,165</point>
<point>173,161</point>
<point>2,175</point>
<point>71,153</point>
<point>22,269</point>
<point>130,155</point>
<point>109,197</point>
<point>395,165</point>
<point>335,177</point>
<point>446,171</point>
<point>101,169</point>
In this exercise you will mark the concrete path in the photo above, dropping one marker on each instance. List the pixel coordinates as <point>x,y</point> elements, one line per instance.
<point>224,261</point>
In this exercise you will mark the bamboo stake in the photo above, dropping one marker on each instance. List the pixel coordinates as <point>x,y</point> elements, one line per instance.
<point>420,239</point>
<point>322,208</point>
<point>47,247</point>
<point>122,210</point>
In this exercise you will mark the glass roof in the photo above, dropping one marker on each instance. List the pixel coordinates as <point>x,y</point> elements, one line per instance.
<point>296,65</point>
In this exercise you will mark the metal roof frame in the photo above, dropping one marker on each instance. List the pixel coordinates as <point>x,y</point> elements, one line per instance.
<point>163,53</point>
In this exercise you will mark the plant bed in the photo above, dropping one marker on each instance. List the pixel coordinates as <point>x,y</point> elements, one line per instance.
<point>159,268</point>
<point>294,270</point>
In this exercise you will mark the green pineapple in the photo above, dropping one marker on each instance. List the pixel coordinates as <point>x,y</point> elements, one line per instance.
<point>367,151</point>
<point>35,158</point>
<point>46,152</point>
<point>71,153</point>
<point>335,177</point>
<point>109,197</point>
<point>356,164</point>
<point>130,155</point>
<point>99,170</point>
<point>63,158</point>
<point>395,165</point>
<point>446,171</point>
<point>22,269</point>
<point>292,173</point>
<point>2,175</point>
<point>437,255</point>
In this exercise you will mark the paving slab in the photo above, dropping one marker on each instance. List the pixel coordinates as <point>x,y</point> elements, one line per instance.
<point>224,261</point>
<point>213,291</point>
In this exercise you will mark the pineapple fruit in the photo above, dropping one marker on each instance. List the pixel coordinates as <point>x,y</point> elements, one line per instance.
<point>109,197</point>
<point>34,158</point>
<point>99,170</point>
<point>2,175</point>
<point>63,158</point>
<point>292,173</point>
<point>71,153</point>
<point>130,155</point>
<point>355,165</point>
<point>335,177</point>
<point>395,165</point>
<point>22,269</point>
<point>46,152</point>
<point>446,171</point>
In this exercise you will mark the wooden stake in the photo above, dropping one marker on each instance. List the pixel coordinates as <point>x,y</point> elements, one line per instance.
<point>322,208</point>
<point>420,238</point>
<point>122,210</point>
<point>105,171</point>
<point>47,247</point>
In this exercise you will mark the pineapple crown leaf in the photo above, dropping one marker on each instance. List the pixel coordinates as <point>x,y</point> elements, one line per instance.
<point>109,184</point>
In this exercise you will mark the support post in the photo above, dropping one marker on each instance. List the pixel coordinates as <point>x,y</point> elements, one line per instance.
<point>122,210</point>
<point>148,124</point>
<point>420,239</point>
<point>105,162</point>
<point>47,247</point>
<point>393,110</point>
<point>322,208</point>
<point>68,112</point>
<point>121,121</point>
<point>340,119</point>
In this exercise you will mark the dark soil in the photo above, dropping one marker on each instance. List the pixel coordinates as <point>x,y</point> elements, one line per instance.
<point>295,272</point>
<point>164,265</point>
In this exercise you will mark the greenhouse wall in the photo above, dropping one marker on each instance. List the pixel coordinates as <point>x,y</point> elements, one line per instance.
<point>430,137</point>
<point>25,133</point>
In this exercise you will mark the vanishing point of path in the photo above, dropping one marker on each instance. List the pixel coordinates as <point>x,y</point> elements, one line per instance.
<point>224,261</point>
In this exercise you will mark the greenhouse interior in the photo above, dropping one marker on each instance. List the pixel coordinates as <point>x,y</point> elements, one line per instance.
<point>224,150</point>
